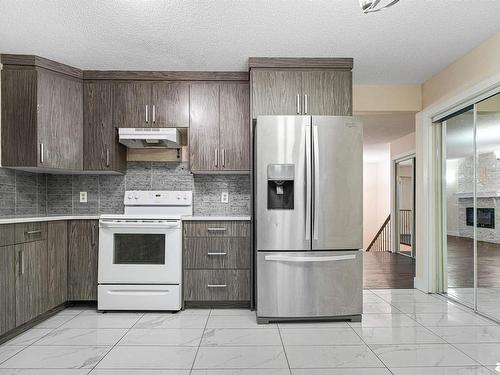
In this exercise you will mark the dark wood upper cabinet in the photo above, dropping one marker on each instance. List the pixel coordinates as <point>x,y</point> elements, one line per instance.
<point>131,105</point>
<point>83,244</point>
<point>42,116</point>
<point>170,105</point>
<point>101,149</point>
<point>219,133</point>
<point>204,152</point>
<point>234,126</point>
<point>276,92</point>
<point>327,93</point>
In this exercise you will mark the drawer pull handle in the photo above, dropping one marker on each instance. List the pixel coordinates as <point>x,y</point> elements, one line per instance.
<point>33,232</point>
<point>216,286</point>
<point>216,254</point>
<point>216,229</point>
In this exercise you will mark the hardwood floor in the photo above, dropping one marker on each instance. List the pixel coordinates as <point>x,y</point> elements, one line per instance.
<point>387,270</point>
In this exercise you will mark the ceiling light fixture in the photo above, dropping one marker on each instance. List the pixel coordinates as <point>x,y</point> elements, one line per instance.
<point>370,6</point>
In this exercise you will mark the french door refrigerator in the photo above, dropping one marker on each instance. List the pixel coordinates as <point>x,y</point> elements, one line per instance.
<point>308,204</point>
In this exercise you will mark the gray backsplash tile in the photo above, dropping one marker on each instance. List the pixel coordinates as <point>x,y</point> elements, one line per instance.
<point>30,193</point>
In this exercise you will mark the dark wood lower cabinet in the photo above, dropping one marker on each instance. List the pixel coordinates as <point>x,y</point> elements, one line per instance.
<point>217,285</point>
<point>82,259</point>
<point>31,280</point>
<point>7,289</point>
<point>57,249</point>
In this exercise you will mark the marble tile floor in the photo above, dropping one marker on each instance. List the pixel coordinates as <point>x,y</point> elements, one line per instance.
<point>403,332</point>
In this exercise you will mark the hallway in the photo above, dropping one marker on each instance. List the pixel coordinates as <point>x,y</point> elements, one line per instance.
<point>387,270</point>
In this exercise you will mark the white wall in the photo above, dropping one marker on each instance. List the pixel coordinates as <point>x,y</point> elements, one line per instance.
<point>376,190</point>
<point>451,199</point>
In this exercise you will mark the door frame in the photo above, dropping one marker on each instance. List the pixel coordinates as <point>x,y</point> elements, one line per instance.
<point>428,215</point>
<point>394,203</point>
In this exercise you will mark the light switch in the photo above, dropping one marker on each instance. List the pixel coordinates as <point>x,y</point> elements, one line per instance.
<point>224,197</point>
<point>83,197</point>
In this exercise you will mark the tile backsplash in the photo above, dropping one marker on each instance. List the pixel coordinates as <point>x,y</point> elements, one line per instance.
<point>23,193</point>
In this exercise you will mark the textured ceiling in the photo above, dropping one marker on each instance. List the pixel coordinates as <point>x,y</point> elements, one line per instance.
<point>405,44</point>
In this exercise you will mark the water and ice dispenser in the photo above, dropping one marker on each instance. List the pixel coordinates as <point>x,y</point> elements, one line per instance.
<point>280,181</point>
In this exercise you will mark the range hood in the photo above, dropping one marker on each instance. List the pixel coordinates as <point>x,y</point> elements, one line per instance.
<point>150,137</point>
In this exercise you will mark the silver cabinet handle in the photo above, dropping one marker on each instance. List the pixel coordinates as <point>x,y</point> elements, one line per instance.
<point>223,157</point>
<point>147,120</point>
<point>41,153</point>
<point>21,262</point>
<point>216,254</point>
<point>298,104</point>
<point>216,229</point>
<point>92,235</point>
<point>216,286</point>
<point>305,105</point>
<point>154,114</point>
<point>107,156</point>
<point>32,232</point>
<point>216,158</point>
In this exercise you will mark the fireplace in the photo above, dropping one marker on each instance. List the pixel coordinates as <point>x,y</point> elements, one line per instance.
<point>485,217</point>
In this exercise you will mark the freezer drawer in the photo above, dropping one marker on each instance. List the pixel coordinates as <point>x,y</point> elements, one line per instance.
<point>313,284</point>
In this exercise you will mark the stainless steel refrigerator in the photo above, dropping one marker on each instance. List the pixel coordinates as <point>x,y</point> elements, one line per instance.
<point>308,204</point>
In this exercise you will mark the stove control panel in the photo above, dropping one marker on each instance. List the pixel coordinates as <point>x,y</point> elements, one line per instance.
<point>158,198</point>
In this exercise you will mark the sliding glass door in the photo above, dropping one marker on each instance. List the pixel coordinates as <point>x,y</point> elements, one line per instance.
<point>471,205</point>
<point>488,206</point>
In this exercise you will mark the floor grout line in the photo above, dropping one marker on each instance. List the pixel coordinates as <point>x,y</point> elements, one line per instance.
<point>199,344</point>
<point>284,349</point>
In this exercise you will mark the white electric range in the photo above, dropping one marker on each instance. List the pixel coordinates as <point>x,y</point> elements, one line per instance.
<point>140,252</point>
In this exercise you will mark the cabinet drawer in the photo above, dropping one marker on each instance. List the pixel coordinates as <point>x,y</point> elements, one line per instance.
<point>216,285</point>
<point>6,234</point>
<point>27,232</point>
<point>216,229</point>
<point>214,253</point>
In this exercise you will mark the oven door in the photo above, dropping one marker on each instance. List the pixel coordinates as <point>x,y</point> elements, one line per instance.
<point>140,252</point>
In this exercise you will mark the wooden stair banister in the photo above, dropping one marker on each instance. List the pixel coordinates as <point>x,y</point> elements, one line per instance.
<point>384,236</point>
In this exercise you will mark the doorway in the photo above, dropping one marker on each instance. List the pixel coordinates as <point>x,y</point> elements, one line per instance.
<point>405,206</point>
<point>470,251</point>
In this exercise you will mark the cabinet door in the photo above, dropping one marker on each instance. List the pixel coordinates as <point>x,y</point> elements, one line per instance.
<point>31,280</point>
<point>57,249</point>
<point>204,153</point>
<point>60,121</point>
<point>131,105</point>
<point>171,105</point>
<point>329,93</point>
<point>274,92</point>
<point>82,260</point>
<point>7,289</point>
<point>234,126</point>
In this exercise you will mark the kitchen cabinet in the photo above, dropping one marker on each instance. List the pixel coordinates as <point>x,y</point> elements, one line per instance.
<point>7,279</point>
<point>57,255</point>
<point>41,119</point>
<point>142,104</point>
<point>301,86</point>
<point>217,263</point>
<point>219,133</point>
<point>101,149</point>
<point>31,280</point>
<point>82,259</point>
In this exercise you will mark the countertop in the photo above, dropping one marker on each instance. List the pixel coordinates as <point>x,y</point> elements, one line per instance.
<point>216,218</point>
<point>35,218</point>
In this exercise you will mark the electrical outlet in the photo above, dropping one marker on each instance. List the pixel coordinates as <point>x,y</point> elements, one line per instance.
<point>224,197</point>
<point>83,197</point>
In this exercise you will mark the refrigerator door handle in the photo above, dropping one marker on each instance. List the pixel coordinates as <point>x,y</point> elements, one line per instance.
<point>316,182</point>
<point>308,183</point>
<point>288,258</point>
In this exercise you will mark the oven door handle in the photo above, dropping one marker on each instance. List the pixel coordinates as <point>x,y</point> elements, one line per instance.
<point>111,224</point>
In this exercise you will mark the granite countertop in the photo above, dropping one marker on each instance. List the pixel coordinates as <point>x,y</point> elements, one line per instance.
<point>216,218</point>
<point>34,218</point>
